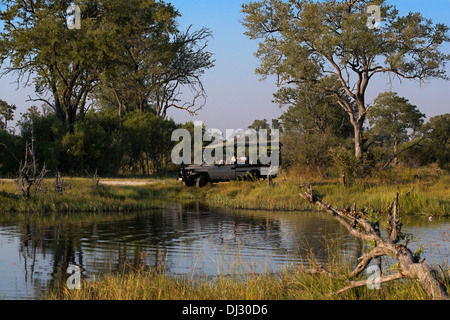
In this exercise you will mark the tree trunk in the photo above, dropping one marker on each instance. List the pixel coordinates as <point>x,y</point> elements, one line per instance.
<point>358,127</point>
<point>396,149</point>
<point>343,179</point>
<point>120,105</point>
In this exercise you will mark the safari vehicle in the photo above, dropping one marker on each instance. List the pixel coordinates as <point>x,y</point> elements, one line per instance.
<point>239,169</point>
<point>200,175</point>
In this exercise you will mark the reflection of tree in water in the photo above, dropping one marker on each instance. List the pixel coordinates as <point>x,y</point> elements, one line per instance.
<point>59,242</point>
<point>26,239</point>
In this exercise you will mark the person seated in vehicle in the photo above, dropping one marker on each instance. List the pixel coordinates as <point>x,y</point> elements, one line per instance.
<point>243,160</point>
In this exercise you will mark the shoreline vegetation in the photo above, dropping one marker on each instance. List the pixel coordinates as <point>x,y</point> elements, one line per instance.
<point>422,191</point>
<point>292,283</point>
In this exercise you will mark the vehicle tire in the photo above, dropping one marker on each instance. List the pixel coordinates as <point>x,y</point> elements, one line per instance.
<point>202,181</point>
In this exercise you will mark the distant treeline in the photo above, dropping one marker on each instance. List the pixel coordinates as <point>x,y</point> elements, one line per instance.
<point>318,137</point>
<point>140,142</point>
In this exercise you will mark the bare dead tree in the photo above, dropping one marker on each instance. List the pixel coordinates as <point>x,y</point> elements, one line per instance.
<point>59,183</point>
<point>359,225</point>
<point>29,175</point>
<point>95,178</point>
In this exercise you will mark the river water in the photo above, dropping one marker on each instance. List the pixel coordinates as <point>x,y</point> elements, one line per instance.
<point>186,239</point>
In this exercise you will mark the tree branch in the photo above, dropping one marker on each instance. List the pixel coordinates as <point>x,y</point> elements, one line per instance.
<point>356,223</point>
<point>398,152</point>
<point>360,283</point>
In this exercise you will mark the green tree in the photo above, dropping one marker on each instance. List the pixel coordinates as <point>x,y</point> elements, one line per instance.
<point>259,124</point>
<point>437,130</point>
<point>394,116</point>
<point>118,44</point>
<point>7,113</point>
<point>94,144</point>
<point>147,137</point>
<point>315,42</point>
<point>313,123</point>
<point>41,49</point>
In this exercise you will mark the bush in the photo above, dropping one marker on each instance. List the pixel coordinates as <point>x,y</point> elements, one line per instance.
<point>346,163</point>
<point>94,144</point>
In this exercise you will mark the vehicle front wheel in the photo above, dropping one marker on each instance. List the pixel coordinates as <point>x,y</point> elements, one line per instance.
<point>202,181</point>
<point>189,183</point>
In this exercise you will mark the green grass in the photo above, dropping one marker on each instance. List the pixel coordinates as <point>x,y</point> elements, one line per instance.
<point>291,283</point>
<point>421,192</point>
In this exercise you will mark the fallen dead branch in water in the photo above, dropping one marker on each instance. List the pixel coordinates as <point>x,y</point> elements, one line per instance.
<point>360,226</point>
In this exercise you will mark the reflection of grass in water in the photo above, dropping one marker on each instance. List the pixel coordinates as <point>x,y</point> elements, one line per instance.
<point>237,282</point>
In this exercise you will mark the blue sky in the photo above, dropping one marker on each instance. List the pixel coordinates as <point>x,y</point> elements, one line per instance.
<point>236,96</point>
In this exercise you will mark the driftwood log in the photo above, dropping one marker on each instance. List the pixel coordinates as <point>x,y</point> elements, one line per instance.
<point>360,226</point>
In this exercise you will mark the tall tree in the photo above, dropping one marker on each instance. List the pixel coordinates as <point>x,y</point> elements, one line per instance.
<point>310,42</point>
<point>394,116</point>
<point>188,62</point>
<point>62,63</point>
<point>145,29</point>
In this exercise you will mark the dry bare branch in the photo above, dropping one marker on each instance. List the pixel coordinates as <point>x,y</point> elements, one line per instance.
<point>29,175</point>
<point>359,226</point>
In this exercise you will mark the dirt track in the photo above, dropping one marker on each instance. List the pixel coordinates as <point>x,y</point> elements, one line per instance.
<point>110,182</point>
<point>125,182</point>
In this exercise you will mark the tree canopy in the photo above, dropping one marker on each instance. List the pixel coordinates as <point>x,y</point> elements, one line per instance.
<point>132,47</point>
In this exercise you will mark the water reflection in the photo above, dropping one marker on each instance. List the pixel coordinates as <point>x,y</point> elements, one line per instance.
<point>188,239</point>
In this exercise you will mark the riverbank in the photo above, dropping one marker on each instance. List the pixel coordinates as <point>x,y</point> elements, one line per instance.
<point>288,285</point>
<point>292,283</point>
<point>421,192</point>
